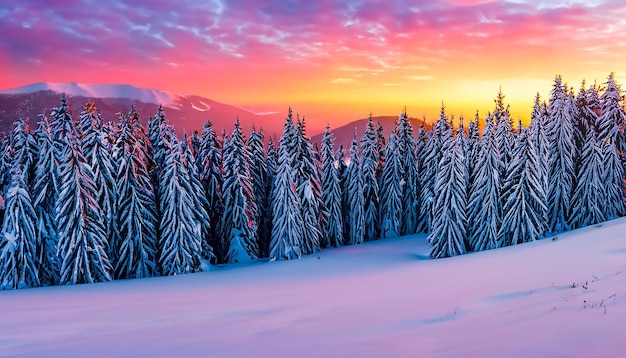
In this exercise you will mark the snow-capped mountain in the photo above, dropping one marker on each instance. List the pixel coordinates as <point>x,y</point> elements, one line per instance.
<point>186,112</point>
<point>99,91</point>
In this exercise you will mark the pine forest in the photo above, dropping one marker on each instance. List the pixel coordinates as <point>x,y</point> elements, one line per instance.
<point>89,200</point>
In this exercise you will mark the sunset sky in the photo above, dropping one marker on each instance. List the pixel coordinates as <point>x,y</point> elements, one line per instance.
<point>331,60</point>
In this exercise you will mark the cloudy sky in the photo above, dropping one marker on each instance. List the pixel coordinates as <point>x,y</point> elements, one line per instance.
<point>328,59</point>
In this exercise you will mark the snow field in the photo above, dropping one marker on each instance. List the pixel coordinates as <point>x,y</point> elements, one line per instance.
<point>563,296</point>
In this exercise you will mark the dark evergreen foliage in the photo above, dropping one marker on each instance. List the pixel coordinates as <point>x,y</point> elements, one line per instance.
<point>332,231</point>
<point>369,162</point>
<point>561,150</point>
<point>391,194</point>
<point>210,171</point>
<point>286,241</point>
<point>354,182</point>
<point>18,246</point>
<point>80,221</point>
<point>180,241</point>
<point>522,219</point>
<point>449,223</point>
<point>136,208</point>
<point>485,208</point>
<point>308,188</point>
<point>44,200</point>
<point>238,224</point>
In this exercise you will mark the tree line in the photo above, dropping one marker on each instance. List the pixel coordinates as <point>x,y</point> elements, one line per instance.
<point>87,200</point>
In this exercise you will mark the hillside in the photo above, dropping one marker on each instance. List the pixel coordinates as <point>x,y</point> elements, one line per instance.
<point>563,296</point>
<point>186,112</point>
<point>344,134</point>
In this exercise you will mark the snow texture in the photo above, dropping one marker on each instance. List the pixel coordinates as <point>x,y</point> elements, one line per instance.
<point>407,305</point>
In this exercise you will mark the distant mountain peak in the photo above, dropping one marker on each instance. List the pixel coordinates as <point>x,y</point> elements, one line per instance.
<point>99,91</point>
<point>185,112</point>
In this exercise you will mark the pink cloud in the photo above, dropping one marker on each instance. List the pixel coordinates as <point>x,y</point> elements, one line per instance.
<point>291,36</point>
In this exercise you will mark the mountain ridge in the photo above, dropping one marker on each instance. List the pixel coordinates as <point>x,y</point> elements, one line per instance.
<point>187,112</point>
<point>98,91</point>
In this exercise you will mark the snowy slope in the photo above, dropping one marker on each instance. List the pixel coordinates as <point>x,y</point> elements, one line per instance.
<point>99,91</point>
<point>561,297</point>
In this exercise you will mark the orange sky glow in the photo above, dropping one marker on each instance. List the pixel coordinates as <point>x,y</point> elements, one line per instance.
<point>333,61</point>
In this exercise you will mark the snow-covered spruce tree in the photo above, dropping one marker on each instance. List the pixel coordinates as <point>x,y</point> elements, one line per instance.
<point>410,194</point>
<point>238,225</point>
<point>485,208</point>
<point>331,193</point>
<point>391,193</point>
<point>24,151</point>
<point>449,222</point>
<point>90,123</point>
<point>62,130</point>
<point>369,160</point>
<point>136,208</point>
<point>44,197</point>
<point>381,143</point>
<point>286,241</point>
<point>421,148</point>
<point>504,130</point>
<point>19,265</point>
<point>560,160</point>
<point>99,157</point>
<point>589,197</point>
<point>581,125</point>
<point>380,149</point>
<point>537,138</point>
<point>6,161</point>
<point>354,181</point>
<point>522,214</point>
<point>196,142</point>
<point>316,154</point>
<point>272,168</point>
<point>82,243</point>
<point>610,137</point>
<point>139,132</point>
<point>259,177</point>
<point>194,186</point>
<point>180,241</point>
<point>593,106</point>
<point>473,139</point>
<point>309,190</point>
<point>157,129</point>
<point>572,112</point>
<point>210,170</point>
<point>505,139</point>
<point>428,165</point>
<point>110,132</point>
<point>61,122</point>
<point>342,174</point>
<point>463,141</point>
<point>430,168</point>
<point>272,157</point>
